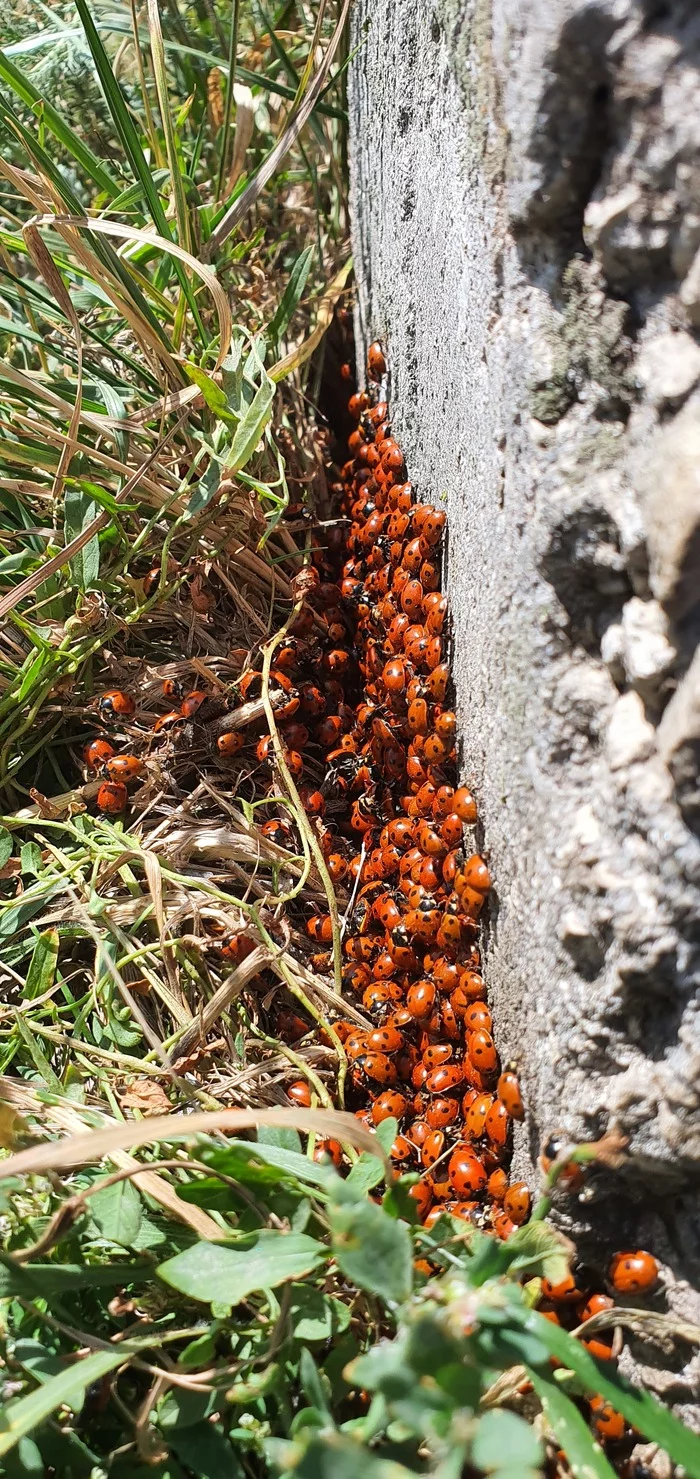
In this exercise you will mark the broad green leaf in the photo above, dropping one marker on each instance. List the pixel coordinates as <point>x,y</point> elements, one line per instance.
<point>367,1172</point>
<point>214,396</point>
<point>503,1436</point>
<point>117,1211</point>
<point>214,1272</point>
<point>42,966</point>
<point>584,1455</point>
<point>242,1159</point>
<point>5,846</point>
<point>206,1451</point>
<point>276,1135</point>
<point>314,1315</point>
<point>20,1418</point>
<point>373,1250</point>
<point>30,859</point>
<point>539,1249</point>
<point>335,1456</point>
<point>638,1407</point>
<point>251,427</point>
<point>79,511</point>
<point>17,915</point>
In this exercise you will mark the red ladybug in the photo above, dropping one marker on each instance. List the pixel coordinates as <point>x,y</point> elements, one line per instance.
<point>633,1273</point>
<point>508,1090</point>
<point>466,1172</point>
<point>112,797</point>
<point>124,768</point>
<point>116,705</point>
<point>97,752</point>
<point>192,702</point>
<point>300,1093</point>
<point>230,743</point>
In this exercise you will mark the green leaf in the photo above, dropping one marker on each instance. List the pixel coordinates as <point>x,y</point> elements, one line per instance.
<point>213,1272</point>
<point>214,396</point>
<point>334,1456</point>
<point>206,1451</point>
<point>291,295</point>
<point>78,511</point>
<point>314,1315</point>
<point>585,1456</point>
<point>5,846</point>
<point>50,1280</point>
<point>367,1172</point>
<point>540,1249</point>
<point>242,1159</point>
<point>251,427</point>
<point>276,1135</point>
<point>30,859</point>
<point>503,1435</point>
<point>42,966</point>
<point>639,1408</point>
<point>20,1418</point>
<point>373,1250</point>
<point>117,1211</point>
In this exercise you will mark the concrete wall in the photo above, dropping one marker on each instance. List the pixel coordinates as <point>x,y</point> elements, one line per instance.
<point>525,188</point>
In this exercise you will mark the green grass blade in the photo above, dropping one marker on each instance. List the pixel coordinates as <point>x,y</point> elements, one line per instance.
<point>82,154</point>
<point>585,1456</point>
<point>126,131</point>
<point>24,1416</point>
<point>638,1408</point>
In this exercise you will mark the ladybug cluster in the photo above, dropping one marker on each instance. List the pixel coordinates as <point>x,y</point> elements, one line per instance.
<point>118,771</point>
<point>360,685</point>
<point>411,957</point>
<point>411,947</point>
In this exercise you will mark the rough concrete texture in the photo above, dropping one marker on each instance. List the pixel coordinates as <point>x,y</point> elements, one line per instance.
<point>526,199</point>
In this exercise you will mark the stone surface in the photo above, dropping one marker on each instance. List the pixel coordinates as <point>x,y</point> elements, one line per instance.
<point>525,189</point>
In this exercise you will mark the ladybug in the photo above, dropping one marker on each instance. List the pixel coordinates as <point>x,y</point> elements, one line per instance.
<point>432,1148</point>
<point>475,1116</point>
<point>420,999</point>
<point>477,1017</point>
<point>230,743</point>
<point>497,1185</point>
<point>112,797</point>
<point>508,1090</point>
<point>299,1093</point>
<point>435,1054</point>
<point>443,1080</point>
<point>331,1149</point>
<point>401,1150</point>
<point>517,1202</point>
<point>466,1172</point>
<point>167,721</point>
<point>320,928</point>
<point>632,1273</point>
<point>565,1292</point>
<point>571,1175</point>
<point>124,768</point>
<point>385,1040</point>
<point>482,1051</point>
<point>378,1067</point>
<point>389,1105</point>
<point>442,1112</point>
<point>97,752</point>
<point>502,1225</point>
<point>607,1422</point>
<point>116,705</point>
<point>422,1195</point>
<point>192,702</point>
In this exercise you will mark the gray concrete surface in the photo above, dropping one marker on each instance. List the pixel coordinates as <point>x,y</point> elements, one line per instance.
<point>525,189</point>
